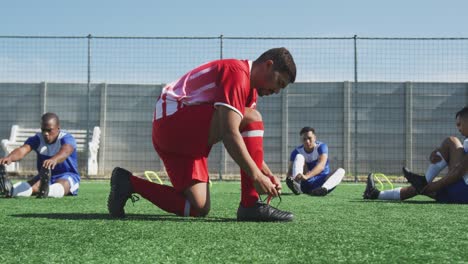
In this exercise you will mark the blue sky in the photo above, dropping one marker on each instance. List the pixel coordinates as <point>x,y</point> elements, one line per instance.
<point>292,18</point>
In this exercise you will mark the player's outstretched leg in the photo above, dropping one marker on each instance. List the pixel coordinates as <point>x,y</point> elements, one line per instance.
<point>320,191</point>
<point>6,187</point>
<point>44,178</point>
<point>371,192</point>
<point>417,181</point>
<point>262,212</point>
<point>294,186</point>
<point>121,191</point>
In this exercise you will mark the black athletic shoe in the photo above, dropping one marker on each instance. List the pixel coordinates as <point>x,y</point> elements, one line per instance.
<point>320,191</point>
<point>121,191</point>
<point>371,192</point>
<point>417,181</point>
<point>262,212</point>
<point>6,187</point>
<point>44,178</point>
<point>293,186</point>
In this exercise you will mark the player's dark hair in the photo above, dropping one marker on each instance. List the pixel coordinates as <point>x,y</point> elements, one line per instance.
<point>283,61</point>
<point>463,113</point>
<point>306,130</point>
<point>49,116</point>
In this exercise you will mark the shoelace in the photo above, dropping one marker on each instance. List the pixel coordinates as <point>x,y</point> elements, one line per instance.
<point>268,199</point>
<point>135,198</point>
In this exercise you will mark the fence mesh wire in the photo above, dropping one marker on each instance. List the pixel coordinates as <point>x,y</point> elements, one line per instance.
<point>379,103</point>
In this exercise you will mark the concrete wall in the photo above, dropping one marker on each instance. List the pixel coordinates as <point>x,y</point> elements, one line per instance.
<point>373,126</point>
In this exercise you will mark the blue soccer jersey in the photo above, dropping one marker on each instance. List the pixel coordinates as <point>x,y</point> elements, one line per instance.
<point>45,151</point>
<point>311,159</point>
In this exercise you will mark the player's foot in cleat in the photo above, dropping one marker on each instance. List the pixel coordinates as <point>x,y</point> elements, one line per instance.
<point>6,187</point>
<point>371,192</point>
<point>320,191</point>
<point>121,191</point>
<point>262,212</point>
<point>294,186</point>
<point>417,181</point>
<point>44,178</point>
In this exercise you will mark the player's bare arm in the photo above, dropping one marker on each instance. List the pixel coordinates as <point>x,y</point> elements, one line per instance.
<point>228,127</point>
<point>16,155</point>
<point>65,151</point>
<point>266,170</point>
<point>322,161</point>
<point>454,175</point>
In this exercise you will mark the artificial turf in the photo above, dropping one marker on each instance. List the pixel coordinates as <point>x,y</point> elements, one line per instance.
<point>341,227</point>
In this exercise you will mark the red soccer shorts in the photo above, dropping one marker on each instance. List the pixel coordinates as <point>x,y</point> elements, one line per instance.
<point>181,141</point>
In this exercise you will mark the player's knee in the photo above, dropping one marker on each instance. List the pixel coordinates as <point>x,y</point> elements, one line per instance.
<point>203,211</point>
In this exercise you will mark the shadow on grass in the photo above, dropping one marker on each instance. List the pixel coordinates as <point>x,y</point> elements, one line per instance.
<point>393,201</point>
<point>129,217</point>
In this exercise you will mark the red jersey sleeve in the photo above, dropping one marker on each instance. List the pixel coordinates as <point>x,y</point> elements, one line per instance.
<point>234,81</point>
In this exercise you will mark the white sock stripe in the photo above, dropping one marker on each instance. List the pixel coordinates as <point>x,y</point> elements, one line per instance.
<point>252,133</point>
<point>187,208</point>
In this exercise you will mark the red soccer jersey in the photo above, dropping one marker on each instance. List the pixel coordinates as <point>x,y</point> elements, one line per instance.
<point>220,82</point>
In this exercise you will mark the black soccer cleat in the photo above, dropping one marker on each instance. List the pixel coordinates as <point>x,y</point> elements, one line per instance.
<point>6,187</point>
<point>262,212</point>
<point>370,192</point>
<point>417,181</point>
<point>320,191</point>
<point>293,186</point>
<point>44,178</point>
<point>121,191</point>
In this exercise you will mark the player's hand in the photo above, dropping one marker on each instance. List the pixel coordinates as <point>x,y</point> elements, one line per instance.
<point>430,189</point>
<point>5,161</point>
<point>264,185</point>
<point>299,177</point>
<point>434,158</point>
<point>277,182</point>
<point>49,164</point>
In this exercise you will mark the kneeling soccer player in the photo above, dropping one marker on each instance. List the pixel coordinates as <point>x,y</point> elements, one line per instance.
<point>213,102</point>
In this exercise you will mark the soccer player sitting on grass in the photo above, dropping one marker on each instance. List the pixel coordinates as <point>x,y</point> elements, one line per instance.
<point>309,170</point>
<point>213,102</point>
<point>452,188</point>
<point>57,163</point>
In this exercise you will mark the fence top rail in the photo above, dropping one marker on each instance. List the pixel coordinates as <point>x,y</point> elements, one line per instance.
<point>232,37</point>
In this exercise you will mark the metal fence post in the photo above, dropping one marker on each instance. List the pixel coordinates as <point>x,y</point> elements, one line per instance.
<point>347,143</point>
<point>88,101</point>
<point>284,131</point>
<point>355,97</point>
<point>409,124</point>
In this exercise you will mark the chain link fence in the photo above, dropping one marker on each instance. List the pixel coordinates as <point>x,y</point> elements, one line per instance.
<point>379,103</point>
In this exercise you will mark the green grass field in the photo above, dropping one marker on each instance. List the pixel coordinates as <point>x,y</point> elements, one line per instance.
<point>340,227</point>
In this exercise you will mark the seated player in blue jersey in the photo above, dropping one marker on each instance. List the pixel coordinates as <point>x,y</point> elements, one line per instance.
<point>57,163</point>
<point>452,188</point>
<point>309,170</point>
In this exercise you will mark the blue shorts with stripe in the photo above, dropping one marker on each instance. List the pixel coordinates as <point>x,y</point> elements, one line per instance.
<point>455,193</point>
<point>72,178</point>
<point>313,183</point>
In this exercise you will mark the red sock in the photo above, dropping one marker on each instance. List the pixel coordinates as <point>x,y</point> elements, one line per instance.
<point>163,196</point>
<point>252,134</point>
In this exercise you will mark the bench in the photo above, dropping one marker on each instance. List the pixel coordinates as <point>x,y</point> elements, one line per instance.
<point>19,135</point>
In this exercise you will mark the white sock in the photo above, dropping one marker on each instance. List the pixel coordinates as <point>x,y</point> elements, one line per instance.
<point>56,190</point>
<point>21,189</point>
<point>393,194</point>
<point>298,165</point>
<point>334,179</point>
<point>434,169</point>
